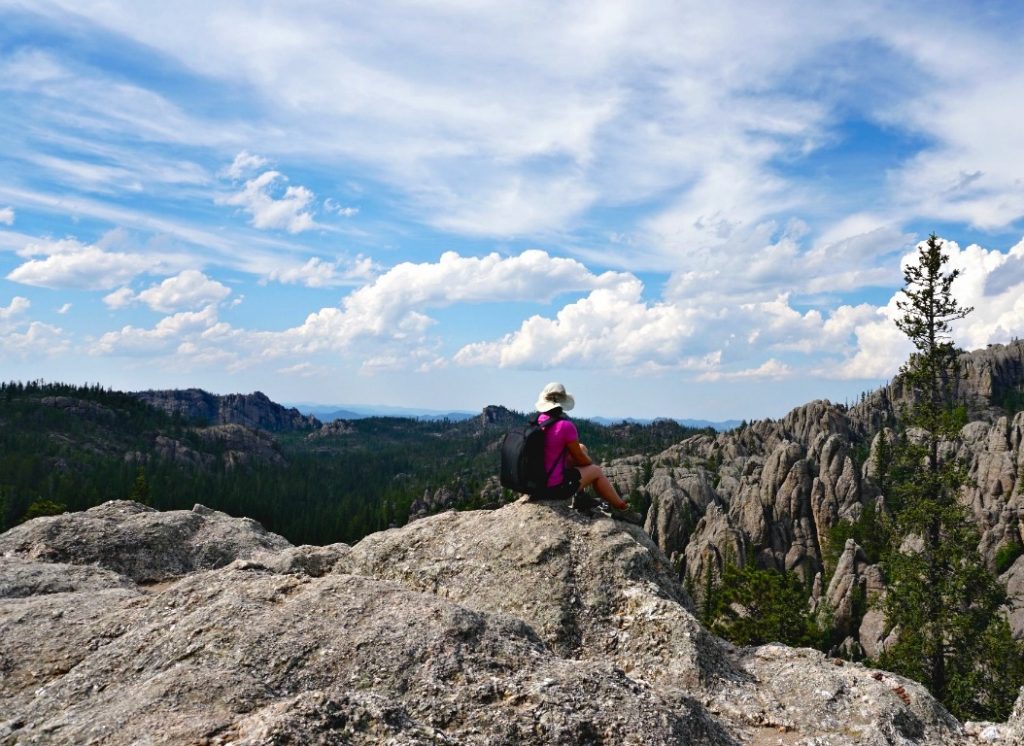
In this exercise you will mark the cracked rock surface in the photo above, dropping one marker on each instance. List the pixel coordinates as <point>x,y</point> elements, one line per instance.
<point>523,625</point>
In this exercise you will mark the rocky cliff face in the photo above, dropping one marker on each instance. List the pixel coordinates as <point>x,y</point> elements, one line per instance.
<point>770,492</point>
<point>254,410</point>
<point>524,625</point>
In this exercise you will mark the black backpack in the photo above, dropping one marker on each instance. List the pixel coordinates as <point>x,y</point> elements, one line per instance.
<point>522,457</point>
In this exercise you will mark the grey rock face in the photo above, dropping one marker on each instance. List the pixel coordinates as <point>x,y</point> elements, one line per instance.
<point>139,542</point>
<point>333,429</point>
<point>79,407</point>
<point>243,445</point>
<point>20,578</point>
<point>770,493</point>
<point>254,410</point>
<point>523,625</point>
<point>494,415</point>
<point>435,500</point>
<point>853,581</point>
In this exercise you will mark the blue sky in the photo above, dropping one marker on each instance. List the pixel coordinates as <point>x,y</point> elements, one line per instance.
<point>690,210</point>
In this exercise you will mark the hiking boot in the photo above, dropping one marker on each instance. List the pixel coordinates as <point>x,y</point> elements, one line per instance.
<point>627,515</point>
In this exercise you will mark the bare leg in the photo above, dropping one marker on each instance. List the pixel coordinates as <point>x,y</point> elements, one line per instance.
<point>592,475</point>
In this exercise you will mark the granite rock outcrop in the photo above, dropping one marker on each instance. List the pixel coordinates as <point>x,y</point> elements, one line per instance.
<point>254,410</point>
<point>770,492</point>
<point>528,624</point>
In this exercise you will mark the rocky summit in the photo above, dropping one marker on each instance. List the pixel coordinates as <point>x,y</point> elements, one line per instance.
<point>253,410</point>
<point>529,624</point>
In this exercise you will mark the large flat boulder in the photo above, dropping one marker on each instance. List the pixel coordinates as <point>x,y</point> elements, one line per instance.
<point>528,624</point>
<point>145,544</point>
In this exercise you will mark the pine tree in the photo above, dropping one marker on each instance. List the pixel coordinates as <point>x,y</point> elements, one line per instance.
<point>754,607</point>
<point>140,488</point>
<point>944,604</point>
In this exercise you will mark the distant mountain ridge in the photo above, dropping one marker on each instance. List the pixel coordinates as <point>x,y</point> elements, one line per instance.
<point>328,412</point>
<point>720,425</point>
<point>249,410</point>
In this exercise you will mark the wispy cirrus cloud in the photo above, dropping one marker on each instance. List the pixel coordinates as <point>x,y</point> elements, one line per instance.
<point>319,273</point>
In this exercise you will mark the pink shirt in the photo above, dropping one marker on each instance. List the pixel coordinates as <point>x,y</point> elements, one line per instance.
<point>555,438</point>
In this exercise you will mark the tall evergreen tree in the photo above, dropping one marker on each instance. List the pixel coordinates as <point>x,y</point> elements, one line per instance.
<point>943,602</point>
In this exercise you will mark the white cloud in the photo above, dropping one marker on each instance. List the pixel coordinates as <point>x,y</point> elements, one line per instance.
<point>421,360</point>
<point>519,125</point>
<point>24,339</point>
<point>68,263</point>
<point>317,273</point>
<point>120,298</point>
<point>7,215</point>
<point>167,335</point>
<point>289,212</point>
<point>244,163</point>
<point>771,369</point>
<point>385,320</point>
<point>346,212</point>
<point>188,289</point>
<point>38,340</point>
<point>303,370</point>
<point>396,298</point>
<point>64,309</point>
<point>969,117</point>
<point>991,281</point>
<point>16,307</point>
<point>612,327</point>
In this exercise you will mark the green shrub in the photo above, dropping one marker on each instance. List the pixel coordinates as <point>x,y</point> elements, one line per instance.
<point>44,507</point>
<point>1007,555</point>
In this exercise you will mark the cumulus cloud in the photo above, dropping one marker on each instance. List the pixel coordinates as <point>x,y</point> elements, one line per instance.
<point>16,307</point>
<point>22,338</point>
<point>392,306</point>
<point>385,321</point>
<point>611,327</point>
<point>37,340</point>
<point>289,212</point>
<point>318,273</point>
<point>244,163</point>
<point>7,215</point>
<point>120,298</point>
<point>167,335</point>
<point>990,281</point>
<point>68,263</point>
<point>188,289</point>
<point>64,309</point>
<point>616,328</point>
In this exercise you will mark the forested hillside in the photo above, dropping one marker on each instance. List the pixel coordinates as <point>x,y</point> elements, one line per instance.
<point>68,447</point>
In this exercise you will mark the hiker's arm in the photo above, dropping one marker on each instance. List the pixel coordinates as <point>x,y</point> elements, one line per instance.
<point>578,453</point>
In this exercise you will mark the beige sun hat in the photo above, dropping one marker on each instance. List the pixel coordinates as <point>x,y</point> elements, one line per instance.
<point>554,395</point>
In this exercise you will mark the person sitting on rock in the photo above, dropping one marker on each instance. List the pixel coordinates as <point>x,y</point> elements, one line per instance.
<point>568,464</point>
